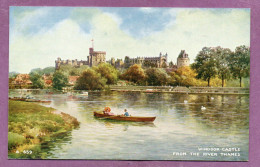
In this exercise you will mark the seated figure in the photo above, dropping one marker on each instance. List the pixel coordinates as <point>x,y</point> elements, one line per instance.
<point>107,111</point>
<point>126,113</point>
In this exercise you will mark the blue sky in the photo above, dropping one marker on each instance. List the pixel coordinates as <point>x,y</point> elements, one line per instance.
<point>38,35</point>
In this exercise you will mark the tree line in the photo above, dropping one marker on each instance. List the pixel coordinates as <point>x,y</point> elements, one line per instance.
<point>223,63</point>
<point>213,66</point>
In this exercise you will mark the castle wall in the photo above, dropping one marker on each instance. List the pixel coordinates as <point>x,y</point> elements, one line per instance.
<point>94,58</point>
<point>159,61</point>
<point>183,62</point>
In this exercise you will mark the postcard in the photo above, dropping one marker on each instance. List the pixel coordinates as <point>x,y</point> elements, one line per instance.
<point>129,83</point>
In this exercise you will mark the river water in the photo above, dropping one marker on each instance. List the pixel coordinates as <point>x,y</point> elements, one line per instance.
<point>181,127</point>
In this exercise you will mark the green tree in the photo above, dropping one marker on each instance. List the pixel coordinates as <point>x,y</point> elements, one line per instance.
<point>222,56</point>
<point>239,63</point>
<point>67,69</point>
<point>37,71</point>
<point>81,69</point>
<point>13,74</point>
<point>171,64</point>
<point>37,81</point>
<point>59,80</point>
<point>135,74</point>
<point>48,70</point>
<point>164,65</point>
<point>107,71</point>
<point>90,80</point>
<point>156,76</point>
<point>205,64</point>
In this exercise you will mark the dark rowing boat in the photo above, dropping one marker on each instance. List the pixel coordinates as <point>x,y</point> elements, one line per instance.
<point>37,101</point>
<point>29,100</point>
<point>124,118</point>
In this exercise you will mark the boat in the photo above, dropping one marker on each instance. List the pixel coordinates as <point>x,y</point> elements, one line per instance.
<point>28,100</point>
<point>17,98</point>
<point>82,94</point>
<point>38,101</point>
<point>124,118</point>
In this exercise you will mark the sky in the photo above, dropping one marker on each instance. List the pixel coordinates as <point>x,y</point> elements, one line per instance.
<point>39,35</point>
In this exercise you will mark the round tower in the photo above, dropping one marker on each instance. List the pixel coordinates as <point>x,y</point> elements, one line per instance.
<point>183,59</point>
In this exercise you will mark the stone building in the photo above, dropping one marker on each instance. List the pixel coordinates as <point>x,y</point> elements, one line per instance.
<point>183,59</point>
<point>119,63</point>
<point>94,58</point>
<point>74,63</point>
<point>158,62</point>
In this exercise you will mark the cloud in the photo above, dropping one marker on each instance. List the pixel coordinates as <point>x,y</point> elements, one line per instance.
<point>189,29</point>
<point>65,40</point>
<point>147,10</point>
<point>26,19</point>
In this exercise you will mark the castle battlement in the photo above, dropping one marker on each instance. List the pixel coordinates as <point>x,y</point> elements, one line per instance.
<point>94,58</point>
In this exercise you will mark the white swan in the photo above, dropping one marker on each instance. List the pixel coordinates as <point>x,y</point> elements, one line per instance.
<point>203,108</point>
<point>185,101</point>
<point>212,98</point>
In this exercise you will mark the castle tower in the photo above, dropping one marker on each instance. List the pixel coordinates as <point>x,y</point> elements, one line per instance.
<point>95,57</point>
<point>113,61</point>
<point>183,59</point>
<point>57,63</point>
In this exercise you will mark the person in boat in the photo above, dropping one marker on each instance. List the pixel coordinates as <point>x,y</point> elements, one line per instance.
<point>126,113</point>
<point>107,111</point>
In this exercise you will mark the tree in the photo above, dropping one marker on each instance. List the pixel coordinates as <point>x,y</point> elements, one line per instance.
<point>37,71</point>
<point>13,74</point>
<point>59,80</point>
<point>48,70</point>
<point>37,81</point>
<point>67,69</point>
<point>90,80</point>
<point>81,69</point>
<point>239,63</point>
<point>156,76</point>
<point>205,64</point>
<point>185,76</point>
<point>171,64</point>
<point>222,56</point>
<point>135,74</point>
<point>164,65</point>
<point>107,71</point>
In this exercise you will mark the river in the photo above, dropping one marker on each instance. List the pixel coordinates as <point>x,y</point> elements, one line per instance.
<point>181,126</point>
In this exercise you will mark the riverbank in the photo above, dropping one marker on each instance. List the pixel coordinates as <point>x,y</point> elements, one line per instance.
<point>180,89</point>
<point>31,125</point>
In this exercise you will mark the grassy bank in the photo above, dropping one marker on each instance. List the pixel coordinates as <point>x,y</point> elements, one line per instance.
<point>30,126</point>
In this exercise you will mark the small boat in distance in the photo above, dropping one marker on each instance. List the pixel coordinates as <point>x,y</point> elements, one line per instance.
<point>124,118</point>
<point>28,99</point>
<point>38,101</point>
<point>82,94</point>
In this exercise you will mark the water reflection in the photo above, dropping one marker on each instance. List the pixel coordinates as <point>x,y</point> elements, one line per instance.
<point>180,125</point>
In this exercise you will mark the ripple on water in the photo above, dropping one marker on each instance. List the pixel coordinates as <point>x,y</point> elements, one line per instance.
<point>178,127</point>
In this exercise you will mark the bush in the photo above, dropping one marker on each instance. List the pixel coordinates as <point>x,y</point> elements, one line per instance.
<point>135,74</point>
<point>156,77</point>
<point>90,80</point>
<point>107,71</point>
<point>15,140</point>
<point>59,80</point>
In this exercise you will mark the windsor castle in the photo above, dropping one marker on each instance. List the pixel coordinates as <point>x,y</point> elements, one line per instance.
<point>97,57</point>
